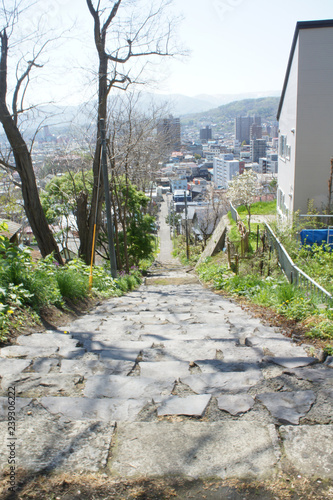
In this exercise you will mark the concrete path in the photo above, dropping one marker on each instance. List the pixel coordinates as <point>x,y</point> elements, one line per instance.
<point>169,379</point>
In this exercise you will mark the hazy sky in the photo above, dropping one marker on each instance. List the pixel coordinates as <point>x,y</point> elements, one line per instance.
<point>236,46</point>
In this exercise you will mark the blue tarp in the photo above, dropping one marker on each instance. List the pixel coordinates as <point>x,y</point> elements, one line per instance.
<point>319,236</point>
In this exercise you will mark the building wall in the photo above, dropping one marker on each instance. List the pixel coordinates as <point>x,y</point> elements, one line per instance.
<point>287,123</point>
<point>314,117</point>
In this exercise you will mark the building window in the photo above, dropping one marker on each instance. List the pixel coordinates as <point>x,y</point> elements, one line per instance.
<point>284,149</point>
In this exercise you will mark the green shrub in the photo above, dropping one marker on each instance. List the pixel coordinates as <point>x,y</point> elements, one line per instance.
<point>72,285</point>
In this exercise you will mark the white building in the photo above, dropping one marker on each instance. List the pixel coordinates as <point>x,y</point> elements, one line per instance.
<point>269,164</point>
<point>225,168</point>
<point>305,117</point>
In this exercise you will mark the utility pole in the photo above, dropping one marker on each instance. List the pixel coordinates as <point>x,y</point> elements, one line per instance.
<point>186,228</point>
<point>112,253</point>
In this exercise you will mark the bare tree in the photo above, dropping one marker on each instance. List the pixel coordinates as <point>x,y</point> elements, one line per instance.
<point>209,215</point>
<point>123,35</point>
<point>9,118</point>
<point>134,153</point>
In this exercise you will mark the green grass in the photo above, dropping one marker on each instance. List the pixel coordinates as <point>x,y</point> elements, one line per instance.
<point>259,208</point>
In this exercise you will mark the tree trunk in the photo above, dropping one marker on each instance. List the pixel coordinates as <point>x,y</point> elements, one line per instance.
<point>23,164</point>
<point>32,204</point>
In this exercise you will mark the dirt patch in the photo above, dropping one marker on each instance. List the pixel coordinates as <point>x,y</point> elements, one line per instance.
<point>101,486</point>
<point>186,280</point>
<point>25,321</point>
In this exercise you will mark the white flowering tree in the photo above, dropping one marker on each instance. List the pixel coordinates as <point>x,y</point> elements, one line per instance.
<point>243,190</point>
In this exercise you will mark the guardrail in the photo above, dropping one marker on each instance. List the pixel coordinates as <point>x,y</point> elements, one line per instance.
<point>293,273</point>
<point>234,213</point>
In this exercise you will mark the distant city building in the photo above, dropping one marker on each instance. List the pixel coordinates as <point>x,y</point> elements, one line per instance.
<point>179,183</point>
<point>255,132</point>
<point>243,127</point>
<point>206,133</point>
<point>169,132</point>
<point>258,149</point>
<point>225,168</point>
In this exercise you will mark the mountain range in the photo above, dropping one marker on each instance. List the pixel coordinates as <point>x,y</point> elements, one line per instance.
<point>181,105</point>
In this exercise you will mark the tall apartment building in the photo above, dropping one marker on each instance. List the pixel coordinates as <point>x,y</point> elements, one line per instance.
<point>206,133</point>
<point>258,149</point>
<point>255,132</point>
<point>169,131</point>
<point>225,168</point>
<point>243,127</point>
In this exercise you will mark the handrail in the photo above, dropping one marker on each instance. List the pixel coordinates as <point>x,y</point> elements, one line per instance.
<point>293,273</point>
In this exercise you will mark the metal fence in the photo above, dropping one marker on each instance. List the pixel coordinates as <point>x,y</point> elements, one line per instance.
<point>293,273</point>
<point>234,213</point>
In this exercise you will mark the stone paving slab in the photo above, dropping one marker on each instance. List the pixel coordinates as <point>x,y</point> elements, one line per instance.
<point>10,367</point>
<point>118,386</point>
<point>20,403</point>
<point>288,407</point>
<point>196,449</point>
<point>187,350</point>
<point>219,383</point>
<point>241,354</point>
<point>104,409</point>
<point>88,367</point>
<point>235,404</point>
<point>319,374</point>
<point>45,443</point>
<point>18,351</point>
<point>122,354</point>
<point>35,385</point>
<point>47,340</point>
<point>321,411</point>
<point>194,406</point>
<point>44,365</point>
<point>164,369</point>
<point>278,344</point>
<point>291,361</point>
<point>308,448</point>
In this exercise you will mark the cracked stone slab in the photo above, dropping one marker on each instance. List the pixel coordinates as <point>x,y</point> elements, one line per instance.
<point>241,354</point>
<point>164,369</point>
<point>104,344</point>
<point>20,403</point>
<point>194,406</point>
<point>119,386</point>
<point>322,411</point>
<point>88,367</point>
<point>185,350</point>
<point>235,404</point>
<point>36,385</point>
<point>196,449</point>
<point>47,340</point>
<point>44,365</point>
<point>288,407</point>
<point>18,351</point>
<point>318,374</point>
<point>278,344</point>
<point>308,448</point>
<point>10,367</point>
<point>291,361</point>
<point>119,354</point>
<point>214,332</point>
<point>217,365</point>
<point>44,443</point>
<point>218,383</point>
<point>104,409</point>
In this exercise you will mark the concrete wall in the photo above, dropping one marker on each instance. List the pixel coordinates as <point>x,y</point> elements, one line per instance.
<point>314,117</point>
<point>287,122</point>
